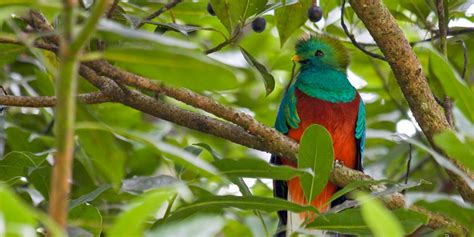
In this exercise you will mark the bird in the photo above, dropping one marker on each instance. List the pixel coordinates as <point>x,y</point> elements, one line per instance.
<point>321,94</point>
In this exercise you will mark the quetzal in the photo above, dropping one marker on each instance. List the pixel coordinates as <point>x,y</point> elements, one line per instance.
<point>321,94</point>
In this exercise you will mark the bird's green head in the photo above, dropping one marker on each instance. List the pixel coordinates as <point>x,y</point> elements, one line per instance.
<point>320,51</point>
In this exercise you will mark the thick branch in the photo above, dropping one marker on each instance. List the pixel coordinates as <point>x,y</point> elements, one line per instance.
<point>408,72</point>
<point>268,140</point>
<point>277,141</point>
<point>50,101</point>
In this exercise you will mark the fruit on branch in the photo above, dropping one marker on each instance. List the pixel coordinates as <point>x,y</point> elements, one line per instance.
<point>259,24</point>
<point>315,13</point>
<point>210,9</point>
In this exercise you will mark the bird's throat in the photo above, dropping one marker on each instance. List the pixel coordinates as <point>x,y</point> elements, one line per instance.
<point>327,84</point>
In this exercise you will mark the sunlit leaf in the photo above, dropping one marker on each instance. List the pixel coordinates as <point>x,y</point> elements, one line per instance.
<point>374,213</point>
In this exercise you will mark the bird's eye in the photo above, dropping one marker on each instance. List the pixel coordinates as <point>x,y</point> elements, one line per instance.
<point>319,53</point>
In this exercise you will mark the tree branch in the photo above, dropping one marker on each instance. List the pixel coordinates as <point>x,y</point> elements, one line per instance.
<point>352,38</point>
<point>268,140</point>
<point>408,72</point>
<point>50,101</point>
<point>160,11</point>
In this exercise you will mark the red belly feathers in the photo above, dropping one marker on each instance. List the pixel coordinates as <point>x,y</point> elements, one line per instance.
<point>340,120</point>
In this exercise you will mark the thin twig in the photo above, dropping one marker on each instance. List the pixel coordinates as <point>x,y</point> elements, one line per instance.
<point>464,68</point>
<point>407,174</point>
<point>159,12</point>
<point>352,38</point>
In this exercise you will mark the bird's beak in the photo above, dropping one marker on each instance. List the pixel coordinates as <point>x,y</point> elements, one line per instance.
<point>296,58</point>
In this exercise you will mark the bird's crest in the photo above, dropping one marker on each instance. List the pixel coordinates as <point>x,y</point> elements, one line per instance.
<point>333,47</point>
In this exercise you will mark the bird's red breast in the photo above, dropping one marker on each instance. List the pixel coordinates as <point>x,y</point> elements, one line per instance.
<point>340,120</point>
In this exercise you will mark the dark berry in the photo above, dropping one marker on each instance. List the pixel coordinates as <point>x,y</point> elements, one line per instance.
<point>210,9</point>
<point>258,25</point>
<point>315,13</point>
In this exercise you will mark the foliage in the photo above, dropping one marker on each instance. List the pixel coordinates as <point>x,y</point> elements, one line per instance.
<point>136,175</point>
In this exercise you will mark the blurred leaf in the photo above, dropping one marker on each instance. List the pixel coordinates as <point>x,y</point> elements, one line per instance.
<point>291,17</point>
<point>453,84</point>
<point>89,197</point>
<point>216,203</point>
<point>315,153</point>
<point>268,79</point>
<point>18,164</point>
<point>460,213</point>
<point>175,66</point>
<point>16,216</point>
<point>105,152</point>
<point>454,147</point>
<point>350,221</point>
<point>196,226</point>
<point>374,214</point>
<point>356,185</point>
<point>178,155</point>
<point>132,221</point>
<point>9,52</point>
<point>88,217</point>
<point>256,168</point>
<point>142,184</point>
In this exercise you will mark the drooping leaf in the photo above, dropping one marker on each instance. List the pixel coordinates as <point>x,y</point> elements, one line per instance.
<point>132,221</point>
<point>452,84</point>
<point>89,197</point>
<point>291,17</point>
<point>216,203</point>
<point>374,213</point>
<point>315,153</point>
<point>19,164</point>
<point>350,221</point>
<point>268,79</point>
<point>454,147</point>
<point>256,168</point>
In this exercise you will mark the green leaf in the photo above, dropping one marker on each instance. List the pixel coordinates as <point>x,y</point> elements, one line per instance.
<point>9,52</point>
<point>233,13</point>
<point>87,217</point>
<point>350,221</point>
<point>19,164</point>
<point>256,168</point>
<point>216,203</point>
<point>132,221</point>
<point>316,153</point>
<point>192,226</point>
<point>178,155</point>
<point>89,197</point>
<point>461,213</point>
<point>178,67</point>
<point>105,152</point>
<point>268,79</point>
<point>355,185</point>
<point>378,218</point>
<point>291,17</point>
<point>453,84</point>
<point>454,147</point>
